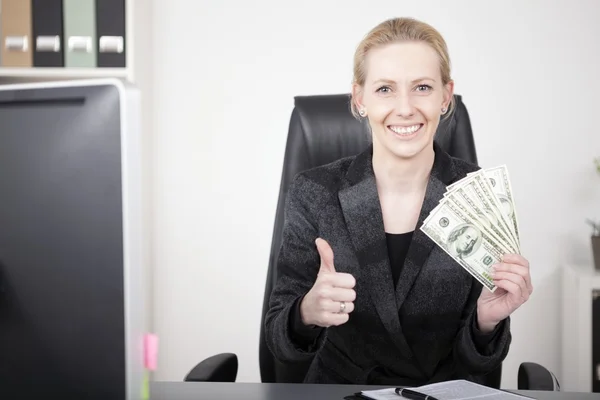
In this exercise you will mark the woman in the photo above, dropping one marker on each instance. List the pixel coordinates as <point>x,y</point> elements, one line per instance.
<point>361,290</point>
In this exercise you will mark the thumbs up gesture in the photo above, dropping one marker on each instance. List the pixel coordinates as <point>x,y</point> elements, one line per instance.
<point>331,298</point>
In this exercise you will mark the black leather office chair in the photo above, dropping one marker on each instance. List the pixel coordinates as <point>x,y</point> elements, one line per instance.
<point>322,130</point>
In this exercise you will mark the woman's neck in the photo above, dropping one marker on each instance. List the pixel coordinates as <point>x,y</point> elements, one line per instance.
<point>402,176</point>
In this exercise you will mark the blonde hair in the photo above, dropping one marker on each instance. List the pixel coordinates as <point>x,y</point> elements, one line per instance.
<point>399,30</point>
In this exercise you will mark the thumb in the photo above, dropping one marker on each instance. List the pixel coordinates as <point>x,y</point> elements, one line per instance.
<point>326,254</point>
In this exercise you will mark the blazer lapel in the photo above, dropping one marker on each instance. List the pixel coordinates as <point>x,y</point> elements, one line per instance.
<point>361,207</point>
<point>363,216</point>
<point>421,245</point>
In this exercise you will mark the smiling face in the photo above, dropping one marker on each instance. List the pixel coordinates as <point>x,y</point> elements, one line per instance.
<point>403,96</point>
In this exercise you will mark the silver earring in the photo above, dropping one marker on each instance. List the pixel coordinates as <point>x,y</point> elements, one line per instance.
<point>362,112</point>
<point>444,109</point>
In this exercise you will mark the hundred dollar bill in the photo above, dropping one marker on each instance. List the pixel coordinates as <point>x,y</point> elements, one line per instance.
<point>483,191</point>
<point>485,212</point>
<point>470,246</point>
<point>460,182</point>
<point>476,190</point>
<point>500,182</point>
<point>481,217</point>
<point>464,180</point>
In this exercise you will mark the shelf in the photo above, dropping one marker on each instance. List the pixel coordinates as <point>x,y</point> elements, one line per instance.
<point>138,46</point>
<point>64,72</point>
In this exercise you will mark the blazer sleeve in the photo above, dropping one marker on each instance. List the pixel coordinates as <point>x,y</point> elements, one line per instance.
<point>479,353</point>
<point>297,269</point>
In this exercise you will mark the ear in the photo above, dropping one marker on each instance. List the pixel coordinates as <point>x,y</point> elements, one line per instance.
<point>448,93</point>
<point>357,95</point>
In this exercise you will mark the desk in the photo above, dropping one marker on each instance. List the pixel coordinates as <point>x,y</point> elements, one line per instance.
<point>293,391</point>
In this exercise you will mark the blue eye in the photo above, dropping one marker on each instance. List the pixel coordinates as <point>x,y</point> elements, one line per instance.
<point>383,89</point>
<point>422,88</point>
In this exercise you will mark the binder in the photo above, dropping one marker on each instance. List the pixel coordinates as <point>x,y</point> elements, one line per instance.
<point>15,36</point>
<point>47,28</point>
<point>110,30</point>
<point>79,19</point>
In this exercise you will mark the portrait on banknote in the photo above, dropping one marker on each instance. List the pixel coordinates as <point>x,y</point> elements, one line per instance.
<point>464,240</point>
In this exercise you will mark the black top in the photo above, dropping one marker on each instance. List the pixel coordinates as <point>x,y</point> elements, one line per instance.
<point>398,244</point>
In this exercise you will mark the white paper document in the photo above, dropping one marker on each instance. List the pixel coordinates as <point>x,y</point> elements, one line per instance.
<point>451,390</point>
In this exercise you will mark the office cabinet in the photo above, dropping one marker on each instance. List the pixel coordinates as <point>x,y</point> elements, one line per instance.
<point>580,329</point>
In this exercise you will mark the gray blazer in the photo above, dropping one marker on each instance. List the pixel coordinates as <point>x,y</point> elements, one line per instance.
<point>423,331</point>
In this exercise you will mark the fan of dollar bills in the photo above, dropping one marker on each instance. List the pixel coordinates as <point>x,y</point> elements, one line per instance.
<point>476,222</point>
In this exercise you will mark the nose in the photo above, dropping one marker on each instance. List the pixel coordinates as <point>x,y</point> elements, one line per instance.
<point>404,106</point>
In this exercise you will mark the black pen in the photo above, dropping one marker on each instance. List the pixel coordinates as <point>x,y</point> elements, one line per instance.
<point>411,394</point>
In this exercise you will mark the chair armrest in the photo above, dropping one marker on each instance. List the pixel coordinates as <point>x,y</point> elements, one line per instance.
<point>533,376</point>
<point>218,368</point>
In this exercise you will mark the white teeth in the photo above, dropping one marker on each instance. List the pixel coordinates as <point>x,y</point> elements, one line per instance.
<point>405,130</point>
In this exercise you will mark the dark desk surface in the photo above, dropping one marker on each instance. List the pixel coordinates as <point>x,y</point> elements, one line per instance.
<point>281,391</point>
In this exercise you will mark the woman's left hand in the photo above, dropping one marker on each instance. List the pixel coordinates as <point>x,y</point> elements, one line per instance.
<point>513,281</point>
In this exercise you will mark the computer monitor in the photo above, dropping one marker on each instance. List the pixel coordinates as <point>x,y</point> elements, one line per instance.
<point>72,281</point>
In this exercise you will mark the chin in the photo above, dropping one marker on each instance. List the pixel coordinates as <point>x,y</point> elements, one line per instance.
<point>411,148</point>
<point>406,152</point>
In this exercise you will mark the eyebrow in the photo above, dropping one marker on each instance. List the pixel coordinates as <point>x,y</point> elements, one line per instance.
<point>390,81</point>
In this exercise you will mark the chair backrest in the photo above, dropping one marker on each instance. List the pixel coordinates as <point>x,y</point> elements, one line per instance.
<point>322,130</point>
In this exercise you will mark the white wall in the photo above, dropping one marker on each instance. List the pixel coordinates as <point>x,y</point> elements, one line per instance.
<point>225,73</point>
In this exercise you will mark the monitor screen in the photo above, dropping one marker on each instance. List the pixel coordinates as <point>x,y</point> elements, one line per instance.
<point>65,265</point>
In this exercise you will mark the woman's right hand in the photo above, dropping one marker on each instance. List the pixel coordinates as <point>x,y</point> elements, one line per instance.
<point>331,298</point>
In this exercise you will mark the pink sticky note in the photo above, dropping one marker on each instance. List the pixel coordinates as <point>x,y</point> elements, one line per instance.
<point>150,351</point>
